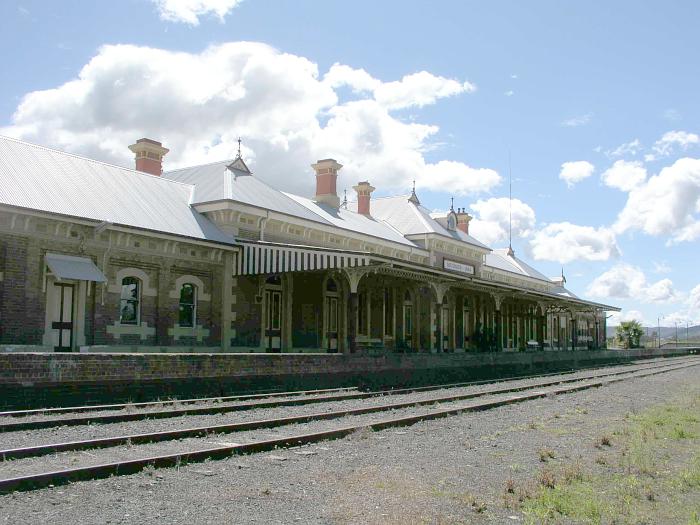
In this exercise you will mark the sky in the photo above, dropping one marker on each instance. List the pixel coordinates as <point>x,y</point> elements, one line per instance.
<point>590,108</point>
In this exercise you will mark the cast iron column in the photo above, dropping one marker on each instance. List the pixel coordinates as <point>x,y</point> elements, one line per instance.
<point>352,323</point>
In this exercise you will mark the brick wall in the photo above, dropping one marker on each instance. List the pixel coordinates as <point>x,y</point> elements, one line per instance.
<point>34,379</point>
<point>23,298</point>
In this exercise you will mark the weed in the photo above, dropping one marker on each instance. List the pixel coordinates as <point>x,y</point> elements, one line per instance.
<point>601,460</point>
<point>545,454</point>
<point>679,432</point>
<point>510,486</point>
<point>573,472</point>
<point>467,498</point>
<point>547,478</point>
<point>604,441</point>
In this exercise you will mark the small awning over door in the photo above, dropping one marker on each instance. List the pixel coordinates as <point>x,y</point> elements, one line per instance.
<point>264,258</point>
<point>76,268</point>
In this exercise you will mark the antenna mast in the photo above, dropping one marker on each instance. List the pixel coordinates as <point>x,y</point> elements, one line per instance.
<point>510,208</point>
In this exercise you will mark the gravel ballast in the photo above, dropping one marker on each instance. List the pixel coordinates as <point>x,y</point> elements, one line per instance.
<point>448,470</point>
<point>59,434</point>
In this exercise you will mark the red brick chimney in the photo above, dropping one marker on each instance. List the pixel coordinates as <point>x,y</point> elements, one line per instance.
<point>364,191</point>
<point>149,156</point>
<point>326,177</point>
<point>463,219</point>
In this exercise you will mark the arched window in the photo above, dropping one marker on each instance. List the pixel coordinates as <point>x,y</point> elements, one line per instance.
<point>452,222</point>
<point>188,305</point>
<point>331,286</point>
<point>274,280</point>
<point>130,303</point>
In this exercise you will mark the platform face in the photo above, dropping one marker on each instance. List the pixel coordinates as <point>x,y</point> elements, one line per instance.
<point>32,379</point>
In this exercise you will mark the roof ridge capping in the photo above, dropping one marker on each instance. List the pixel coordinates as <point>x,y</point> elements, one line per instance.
<point>223,161</point>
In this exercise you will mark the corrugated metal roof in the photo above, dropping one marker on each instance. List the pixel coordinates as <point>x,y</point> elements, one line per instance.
<point>44,179</point>
<point>351,220</point>
<point>215,182</point>
<point>500,259</point>
<point>413,219</point>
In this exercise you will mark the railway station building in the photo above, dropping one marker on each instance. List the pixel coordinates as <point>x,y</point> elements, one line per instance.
<point>96,257</point>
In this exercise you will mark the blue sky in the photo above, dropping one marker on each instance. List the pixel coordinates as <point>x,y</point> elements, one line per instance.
<point>440,92</point>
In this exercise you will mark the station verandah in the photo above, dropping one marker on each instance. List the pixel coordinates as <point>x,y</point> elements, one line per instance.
<point>382,308</point>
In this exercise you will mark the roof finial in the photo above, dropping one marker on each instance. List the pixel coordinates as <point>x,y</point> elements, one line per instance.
<point>414,198</point>
<point>452,204</point>
<point>563,279</point>
<point>239,147</point>
<point>344,204</point>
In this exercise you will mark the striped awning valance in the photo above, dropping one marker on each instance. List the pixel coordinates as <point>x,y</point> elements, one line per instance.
<point>263,259</point>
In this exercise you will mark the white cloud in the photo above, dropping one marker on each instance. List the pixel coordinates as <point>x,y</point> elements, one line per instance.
<point>624,281</point>
<point>198,104</point>
<point>357,79</point>
<point>190,11</point>
<point>419,89</point>
<point>509,93</point>
<point>458,177</point>
<point>491,218</point>
<point>627,315</point>
<point>668,143</point>
<point>628,148</point>
<point>580,120</point>
<point>666,204</point>
<point>690,313</point>
<point>672,114</point>
<point>661,267</point>
<point>565,242</point>
<point>624,175</point>
<point>574,172</point>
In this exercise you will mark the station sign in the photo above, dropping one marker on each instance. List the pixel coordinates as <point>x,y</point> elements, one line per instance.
<point>455,266</point>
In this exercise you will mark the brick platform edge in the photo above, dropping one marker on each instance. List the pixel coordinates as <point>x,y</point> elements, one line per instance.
<point>30,380</point>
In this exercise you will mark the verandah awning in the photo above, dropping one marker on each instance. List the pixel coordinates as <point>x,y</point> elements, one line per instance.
<point>72,267</point>
<point>263,258</point>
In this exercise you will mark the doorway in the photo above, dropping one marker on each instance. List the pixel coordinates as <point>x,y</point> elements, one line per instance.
<point>330,327</point>
<point>60,300</point>
<point>445,329</point>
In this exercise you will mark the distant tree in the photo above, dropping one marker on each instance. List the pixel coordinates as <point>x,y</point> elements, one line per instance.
<point>629,334</point>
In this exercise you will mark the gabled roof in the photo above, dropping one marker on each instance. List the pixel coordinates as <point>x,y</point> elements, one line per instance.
<point>216,182</point>
<point>351,220</point>
<point>39,178</point>
<point>501,259</point>
<point>224,180</point>
<point>414,219</point>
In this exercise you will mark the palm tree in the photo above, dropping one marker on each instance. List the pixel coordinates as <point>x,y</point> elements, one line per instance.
<point>629,333</point>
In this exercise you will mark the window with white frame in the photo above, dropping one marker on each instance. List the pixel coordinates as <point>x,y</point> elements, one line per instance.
<point>130,301</point>
<point>188,305</point>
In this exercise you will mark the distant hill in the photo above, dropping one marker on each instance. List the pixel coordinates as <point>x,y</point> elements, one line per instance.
<point>667,332</point>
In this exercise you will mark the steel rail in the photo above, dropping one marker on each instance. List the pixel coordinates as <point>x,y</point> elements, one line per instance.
<point>48,479</point>
<point>146,404</point>
<point>276,394</point>
<point>14,426</point>
<point>196,432</point>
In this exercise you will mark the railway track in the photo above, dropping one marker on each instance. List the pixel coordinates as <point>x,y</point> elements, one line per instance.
<point>202,431</point>
<point>493,397</point>
<point>13,421</point>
